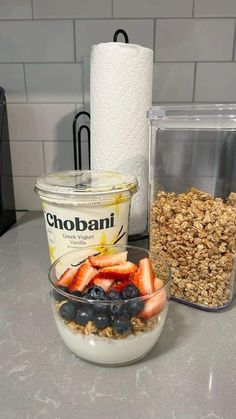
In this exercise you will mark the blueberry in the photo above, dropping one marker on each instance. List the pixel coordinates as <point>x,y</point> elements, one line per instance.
<point>57,295</point>
<point>102,320</point>
<point>84,315</point>
<point>122,325</point>
<point>68,311</point>
<point>130,291</point>
<point>99,308</point>
<point>95,293</point>
<point>134,307</point>
<point>117,309</point>
<point>113,295</point>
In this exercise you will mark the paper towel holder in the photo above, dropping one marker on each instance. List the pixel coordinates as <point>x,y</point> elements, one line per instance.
<point>78,149</point>
<point>122,32</point>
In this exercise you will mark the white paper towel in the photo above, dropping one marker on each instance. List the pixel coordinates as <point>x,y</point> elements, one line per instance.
<point>120,94</point>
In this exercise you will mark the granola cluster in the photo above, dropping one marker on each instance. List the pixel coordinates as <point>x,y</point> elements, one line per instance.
<point>138,325</point>
<point>196,234</point>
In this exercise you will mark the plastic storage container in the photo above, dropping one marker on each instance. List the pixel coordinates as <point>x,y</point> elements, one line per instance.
<point>193,200</point>
<point>84,208</point>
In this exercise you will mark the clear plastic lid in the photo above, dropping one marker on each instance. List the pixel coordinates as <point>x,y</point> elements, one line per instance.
<point>84,185</point>
<point>193,116</point>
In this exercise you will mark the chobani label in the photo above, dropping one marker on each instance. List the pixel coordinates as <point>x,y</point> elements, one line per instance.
<point>79,224</point>
<point>69,227</point>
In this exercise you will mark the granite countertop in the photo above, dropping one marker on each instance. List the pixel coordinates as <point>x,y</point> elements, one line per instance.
<point>190,374</point>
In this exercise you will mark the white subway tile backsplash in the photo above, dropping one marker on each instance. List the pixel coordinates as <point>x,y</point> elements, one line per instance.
<point>215,82</point>
<point>36,41</point>
<point>15,9</point>
<point>41,122</point>
<point>154,8</point>
<point>27,158</point>
<point>25,198</point>
<point>12,80</point>
<point>40,40</point>
<point>215,8</point>
<point>90,32</point>
<point>54,82</point>
<point>194,39</point>
<point>72,8</point>
<point>173,82</point>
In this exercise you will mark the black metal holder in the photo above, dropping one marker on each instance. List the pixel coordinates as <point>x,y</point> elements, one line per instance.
<point>122,32</point>
<point>78,149</point>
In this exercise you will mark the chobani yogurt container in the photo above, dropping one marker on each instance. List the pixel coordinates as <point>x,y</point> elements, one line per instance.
<point>84,208</point>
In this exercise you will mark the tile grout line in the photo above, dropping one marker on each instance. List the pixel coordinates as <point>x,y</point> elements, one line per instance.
<point>81,62</point>
<point>9,102</point>
<point>83,87</point>
<point>32,9</point>
<point>112,8</point>
<point>193,9</point>
<point>43,152</point>
<point>40,62</point>
<point>25,84</point>
<point>46,141</point>
<point>74,40</point>
<point>61,19</point>
<point>154,40</point>
<point>234,41</point>
<point>194,81</point>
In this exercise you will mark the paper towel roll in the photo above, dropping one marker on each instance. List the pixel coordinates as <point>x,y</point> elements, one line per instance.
<point>120,94</point>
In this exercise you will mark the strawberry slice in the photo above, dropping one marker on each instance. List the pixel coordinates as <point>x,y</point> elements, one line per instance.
<point>145,277</point>
<point>158,283</point>
<point>134,278</point>
<point>105,283</point>
<point>82,278</point>
<point>120,285</point>
<point>100,261</point>
<point>67,277</point>
<point>119,271</point>
<point>154,305</point>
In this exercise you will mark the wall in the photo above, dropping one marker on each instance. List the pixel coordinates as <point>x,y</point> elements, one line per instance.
<point>42,48</point>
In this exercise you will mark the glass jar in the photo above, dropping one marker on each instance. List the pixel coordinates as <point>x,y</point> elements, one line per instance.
<point>193,200</point>
<point>102,328</point>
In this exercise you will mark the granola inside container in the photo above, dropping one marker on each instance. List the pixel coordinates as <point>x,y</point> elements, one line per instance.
<point>84,208</point>
<point>192,197</point>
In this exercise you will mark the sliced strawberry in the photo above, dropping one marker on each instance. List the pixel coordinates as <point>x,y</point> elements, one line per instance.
<point>100,261</point>
<point>105,283</point>
<point>158,283</point>
<point>82,278</point>
<point>119,285</point>
<point>67,277</point>
<point>154,305</point>
<point>134,278</point>
<point>146,277</point>
<point>121,272</point>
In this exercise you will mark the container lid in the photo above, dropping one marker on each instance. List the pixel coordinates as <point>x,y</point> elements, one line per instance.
<point>84,185</point>
<point>202,116</point>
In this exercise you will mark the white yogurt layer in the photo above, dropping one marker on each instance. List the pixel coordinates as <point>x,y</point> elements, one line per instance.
<point>109,351</point>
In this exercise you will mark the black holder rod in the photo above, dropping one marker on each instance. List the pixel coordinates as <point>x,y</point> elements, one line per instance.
<point>121,32</point>
<point>79,140</point>
<point>86,128</point>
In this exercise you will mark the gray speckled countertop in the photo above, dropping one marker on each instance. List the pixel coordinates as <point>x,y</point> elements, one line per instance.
<point>190,374</point>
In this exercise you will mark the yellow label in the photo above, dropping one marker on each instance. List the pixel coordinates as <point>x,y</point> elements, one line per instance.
<point>70,227</point>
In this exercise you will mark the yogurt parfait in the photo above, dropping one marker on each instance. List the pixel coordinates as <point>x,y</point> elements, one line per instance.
<point>110,306</point>
<point>83,208</point>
